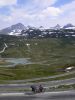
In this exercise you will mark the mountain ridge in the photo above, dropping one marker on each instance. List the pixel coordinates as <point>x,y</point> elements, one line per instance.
<point>32,32</point>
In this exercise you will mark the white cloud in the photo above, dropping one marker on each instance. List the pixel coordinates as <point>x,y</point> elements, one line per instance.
<point>68,15</point>
<point>69,7</point>
<point>7,2</point>
<point>51,11</point>
<point>21,15</point>
<point>48,16</point>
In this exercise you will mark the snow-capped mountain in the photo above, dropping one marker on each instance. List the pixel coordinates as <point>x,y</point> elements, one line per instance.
<point>41,32</point>
<point>69,26</point>
<point>13,30</point>
<point>57,27</point>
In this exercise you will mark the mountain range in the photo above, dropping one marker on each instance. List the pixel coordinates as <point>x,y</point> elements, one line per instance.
<point>13,30</point>
<point>20,30</point>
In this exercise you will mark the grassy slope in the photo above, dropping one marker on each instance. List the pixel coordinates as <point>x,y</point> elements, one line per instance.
<point>51,53</point>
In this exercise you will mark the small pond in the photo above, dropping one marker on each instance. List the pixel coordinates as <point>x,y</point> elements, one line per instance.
<point>15,61</point>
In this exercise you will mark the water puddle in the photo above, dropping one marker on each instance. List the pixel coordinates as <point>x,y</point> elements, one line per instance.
<point>15,61</point>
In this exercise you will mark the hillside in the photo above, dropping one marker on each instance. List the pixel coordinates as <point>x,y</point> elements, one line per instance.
<point>40,49</point>
<point>31,58</point>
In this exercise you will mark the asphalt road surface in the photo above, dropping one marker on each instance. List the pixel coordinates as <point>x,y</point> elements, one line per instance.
<point>45,84</point>
<point>62,95</point>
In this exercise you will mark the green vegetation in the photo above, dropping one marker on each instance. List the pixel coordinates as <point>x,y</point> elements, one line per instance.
<point>48,56</point>
<point>27,72</point>
<point>56,78</point>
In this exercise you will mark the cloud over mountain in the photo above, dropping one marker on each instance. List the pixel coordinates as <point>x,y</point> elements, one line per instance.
<point>36,12</point>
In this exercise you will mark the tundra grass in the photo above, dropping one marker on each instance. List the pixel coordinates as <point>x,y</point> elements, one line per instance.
<point>27,72</point>
<point>56,78</point>
<point>50,54</point>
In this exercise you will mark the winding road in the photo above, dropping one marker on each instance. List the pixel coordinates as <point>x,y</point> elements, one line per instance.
<point>61,95</point>
<point>36,79</point>
<point>45,84</point>
<point>5,46</point>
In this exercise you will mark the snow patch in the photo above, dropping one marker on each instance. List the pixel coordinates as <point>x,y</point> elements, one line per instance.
<point>27,44</point>
<point>69,68</point>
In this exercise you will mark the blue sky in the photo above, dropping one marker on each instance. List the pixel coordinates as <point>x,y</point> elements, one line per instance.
<point>62,2</point>
<point>37,13</point>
